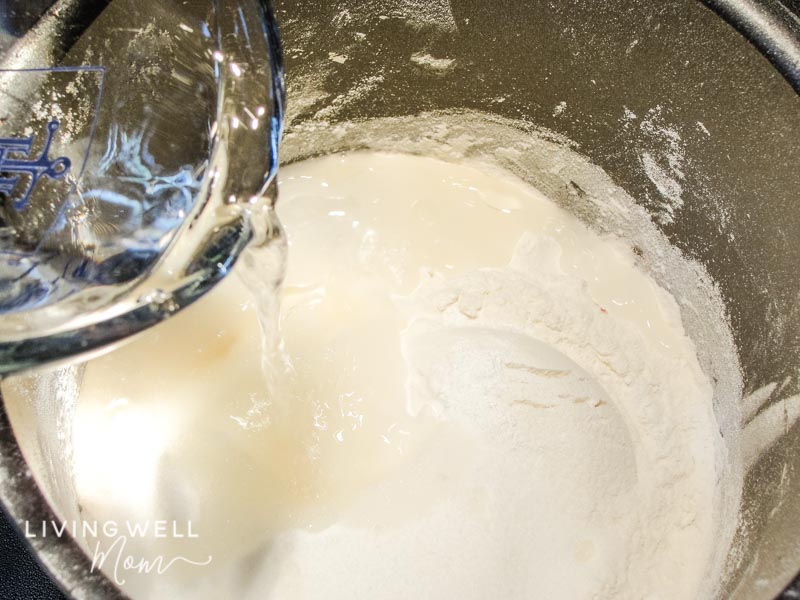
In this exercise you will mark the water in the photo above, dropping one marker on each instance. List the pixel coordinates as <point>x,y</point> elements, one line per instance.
<point>138,142</point>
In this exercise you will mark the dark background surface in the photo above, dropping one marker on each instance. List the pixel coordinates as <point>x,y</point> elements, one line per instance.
<point>21,576</point>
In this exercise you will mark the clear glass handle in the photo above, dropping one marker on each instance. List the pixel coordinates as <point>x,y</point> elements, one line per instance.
<point>138,147</point>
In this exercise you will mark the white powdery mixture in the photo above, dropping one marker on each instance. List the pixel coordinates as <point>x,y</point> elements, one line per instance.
<point>588,466</point>
<point>590,472</point>
<point>485,399</point>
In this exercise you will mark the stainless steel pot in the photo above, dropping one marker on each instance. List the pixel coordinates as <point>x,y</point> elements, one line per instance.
<point>698,125</point>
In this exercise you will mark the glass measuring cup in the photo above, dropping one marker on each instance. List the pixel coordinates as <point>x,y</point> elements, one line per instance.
<point>138,146</point>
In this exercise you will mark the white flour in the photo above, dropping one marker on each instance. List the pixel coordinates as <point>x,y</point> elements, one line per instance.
<point>485,399</point>
<point>590,447</point>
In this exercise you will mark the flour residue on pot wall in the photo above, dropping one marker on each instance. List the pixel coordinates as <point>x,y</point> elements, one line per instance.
<point>661,153</point>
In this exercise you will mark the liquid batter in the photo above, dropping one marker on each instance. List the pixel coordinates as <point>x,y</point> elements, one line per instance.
<point>478,397</point>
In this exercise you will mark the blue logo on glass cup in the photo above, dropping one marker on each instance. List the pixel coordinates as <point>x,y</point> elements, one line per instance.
<point>48,120</point>
<point>15,162</point>
<point>46,110</point>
